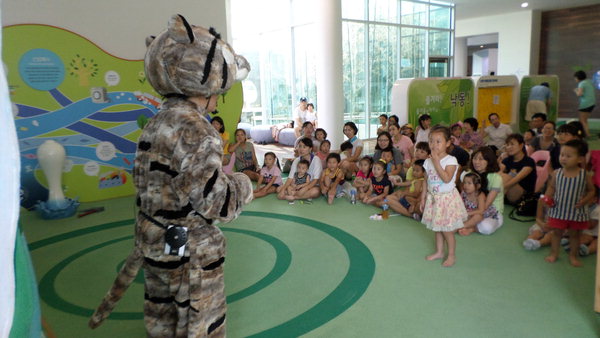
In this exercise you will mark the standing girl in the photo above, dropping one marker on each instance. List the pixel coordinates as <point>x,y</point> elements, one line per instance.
<point>443,210</point>
<point>245,157</point>
<point>423,129</point>
<point>270,176</point>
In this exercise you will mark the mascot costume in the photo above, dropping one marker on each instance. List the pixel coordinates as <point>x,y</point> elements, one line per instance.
<point>182,190</point>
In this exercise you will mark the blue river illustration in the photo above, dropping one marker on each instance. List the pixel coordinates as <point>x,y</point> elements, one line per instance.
<point>80,148</point>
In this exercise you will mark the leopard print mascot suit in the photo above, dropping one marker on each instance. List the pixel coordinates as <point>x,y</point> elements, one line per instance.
<point>182,190</point>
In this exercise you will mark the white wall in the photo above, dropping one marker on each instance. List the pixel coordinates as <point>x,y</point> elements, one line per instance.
<point>518,39</point>
<point>119,27</point>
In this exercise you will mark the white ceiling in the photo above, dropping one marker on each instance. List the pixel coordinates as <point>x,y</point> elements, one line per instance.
<point>476,8</point>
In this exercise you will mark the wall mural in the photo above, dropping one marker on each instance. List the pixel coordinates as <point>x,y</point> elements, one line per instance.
<point>67,89</point>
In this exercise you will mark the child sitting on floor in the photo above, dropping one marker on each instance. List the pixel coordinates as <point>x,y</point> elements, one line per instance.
<point>270,176</point>
<point>324,149</point>
<point>362,182</point>
<point>474,200</point>
<point>406,202</point>
<point>332,180</point>
<point>538,234</point>
<point>300,180</point>
<point>380,186</point>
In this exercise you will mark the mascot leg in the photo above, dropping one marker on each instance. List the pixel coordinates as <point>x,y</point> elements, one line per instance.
<point>207,286</point>
<point>166,301</point>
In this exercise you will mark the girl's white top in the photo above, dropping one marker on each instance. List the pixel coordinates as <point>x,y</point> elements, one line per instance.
<point>434,181</point>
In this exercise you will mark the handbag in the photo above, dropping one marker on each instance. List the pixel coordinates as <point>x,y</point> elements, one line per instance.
<point>525,207</point>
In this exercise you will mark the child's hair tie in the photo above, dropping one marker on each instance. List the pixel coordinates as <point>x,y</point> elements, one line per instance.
<point>382,161</point>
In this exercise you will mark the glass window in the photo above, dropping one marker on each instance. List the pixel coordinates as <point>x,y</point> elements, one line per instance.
<point>412,51</point>
<point>353,37</point>
<point>276,77</point>
<point>383,70</point>
<point>301,11</point>
<point>439,43</point>
<point>383,10</point>
<point>439,17</point>
<point>305,67</point>
<point>413,13</point>
<point>353,9</point>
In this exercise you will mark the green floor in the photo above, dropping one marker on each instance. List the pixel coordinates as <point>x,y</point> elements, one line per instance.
<point>326,271</point>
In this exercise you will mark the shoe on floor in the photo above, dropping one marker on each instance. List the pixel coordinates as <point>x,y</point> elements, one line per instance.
<point>531,244</point>
<point>583,250</point>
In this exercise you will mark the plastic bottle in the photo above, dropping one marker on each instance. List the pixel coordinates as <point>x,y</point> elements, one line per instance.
<point>385,214</point>
<point>353,196</point>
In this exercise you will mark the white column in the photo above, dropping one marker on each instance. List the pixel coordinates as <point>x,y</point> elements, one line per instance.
<point>460,57</point>
<point>330,91</point>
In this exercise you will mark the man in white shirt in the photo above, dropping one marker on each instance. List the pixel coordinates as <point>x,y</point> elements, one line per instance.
<point>299,115</point>
<point>497,132</point>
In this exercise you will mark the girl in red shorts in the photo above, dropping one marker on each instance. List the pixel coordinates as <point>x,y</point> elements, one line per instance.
<point>570,190</point>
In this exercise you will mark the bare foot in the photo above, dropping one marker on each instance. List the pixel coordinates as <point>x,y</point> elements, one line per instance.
<point>466,231</point>
<point>551,259</point>
<point>574,261</point>
<point>330,199</point>
<point>449,261</point>
<point>437,255</point>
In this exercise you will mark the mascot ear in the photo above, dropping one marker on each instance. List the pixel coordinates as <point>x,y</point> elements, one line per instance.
<point>180,30</point>
<point>149,40</point>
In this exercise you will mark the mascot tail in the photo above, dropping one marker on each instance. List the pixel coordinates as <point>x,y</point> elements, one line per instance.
<point>124,278</point>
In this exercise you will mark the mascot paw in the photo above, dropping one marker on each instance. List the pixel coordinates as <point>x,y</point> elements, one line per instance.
<point>245,185</point>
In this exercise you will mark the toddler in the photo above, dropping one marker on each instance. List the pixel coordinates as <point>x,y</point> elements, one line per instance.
<point>320,136</point>
<point>475,201</point>
<point>300,180</point>
<point>332,180</point>
<point>569,191</point>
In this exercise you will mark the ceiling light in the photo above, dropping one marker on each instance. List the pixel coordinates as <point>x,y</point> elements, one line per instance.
<point>481,46</point>
<point>525,4</point>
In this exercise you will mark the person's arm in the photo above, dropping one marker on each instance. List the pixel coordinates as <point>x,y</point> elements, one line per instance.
<point>540,217</point>
<point>322,180</point>
<point>518,178</point>
<point>578,91</point>
<point>445,174</point>
<point>418,190</point>
<point>482,131</point>
<point>480,206</point>
<point>590,192</point>
<point>259,182</point>
<point>356,155</point>
<point>423,193</point>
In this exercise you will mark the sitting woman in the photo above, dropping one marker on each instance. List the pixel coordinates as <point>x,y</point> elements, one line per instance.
<point>315,168</point>
<point>350,164</point>
<point>517,169</point>
<point>470,140</point>
<point>384,143</point>
<point>245,156</point>
<point>546,140</point>
<point>219,125</point>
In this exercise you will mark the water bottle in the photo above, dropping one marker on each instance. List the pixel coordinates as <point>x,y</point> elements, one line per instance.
<point>353,196</point>
<point>385,214</point>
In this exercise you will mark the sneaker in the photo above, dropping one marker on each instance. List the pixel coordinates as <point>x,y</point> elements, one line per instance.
<point>417,217</point>
<point>531,244</point>
<point>309,200</point>
<point>341,194</point>
<point>564,242</point>
<point>583,250</point>
<point>291,202</point>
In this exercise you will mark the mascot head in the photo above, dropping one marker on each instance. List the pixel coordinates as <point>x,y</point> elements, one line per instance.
<point>192,61</point>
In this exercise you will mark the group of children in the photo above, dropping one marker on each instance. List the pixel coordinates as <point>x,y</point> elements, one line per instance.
<point>445,195</point>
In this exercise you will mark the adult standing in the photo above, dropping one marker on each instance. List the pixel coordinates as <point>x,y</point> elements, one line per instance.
<point>538,101</point>
<point>350,164</point>
<point>587,98</point>
<point>299,115</point>
<point>315,169</point>
<point>497,132</point>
